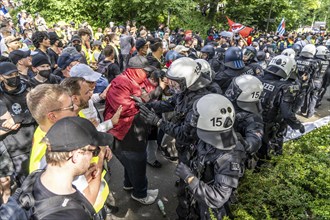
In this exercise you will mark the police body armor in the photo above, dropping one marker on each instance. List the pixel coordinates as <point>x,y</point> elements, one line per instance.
<point>225,77</point>
<point>271,98</point>
<point>324,65</point>
<point>257,69</point>
<point>217,167</point>
<point>306,66</point>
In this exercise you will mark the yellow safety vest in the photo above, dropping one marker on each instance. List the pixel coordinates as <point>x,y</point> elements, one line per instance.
<point>104,191</point>
<point>38,150</point>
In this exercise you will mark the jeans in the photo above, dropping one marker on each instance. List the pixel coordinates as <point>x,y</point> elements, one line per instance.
<point>135,165</point>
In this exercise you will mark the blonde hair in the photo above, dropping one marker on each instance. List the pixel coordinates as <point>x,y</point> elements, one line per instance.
<point>43,99</point>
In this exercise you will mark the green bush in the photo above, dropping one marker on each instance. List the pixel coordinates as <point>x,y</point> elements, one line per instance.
<point>295,185</point>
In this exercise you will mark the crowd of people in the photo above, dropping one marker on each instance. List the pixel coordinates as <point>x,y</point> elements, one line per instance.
<point>216,106</point>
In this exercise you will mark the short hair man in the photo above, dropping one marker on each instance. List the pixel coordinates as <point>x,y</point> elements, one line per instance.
<point>71,144</point>
<point>47,103</point>
<point>23,61</point>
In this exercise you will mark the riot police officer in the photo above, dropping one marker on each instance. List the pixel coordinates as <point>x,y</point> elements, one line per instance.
<point>245,92</point>
<point>323,76</point>
<point>234,66</point>
<point>208,54</point>
<point>250,59</point>
<point>289,52</point>
<point>261,56</point>
<point>297,48</point>
<point>184,80</point>
<point>307,69</point>
<point>215,170</point>
<point>278,102</point>
<point>207,77</point>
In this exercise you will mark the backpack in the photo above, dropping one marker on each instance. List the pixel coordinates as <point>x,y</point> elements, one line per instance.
<point>281,45</point>
<point>103,67</point>
<point>21,205</point>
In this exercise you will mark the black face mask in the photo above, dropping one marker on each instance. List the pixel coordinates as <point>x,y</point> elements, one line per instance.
<point>78,47</point>
<point>13,82</point>
<point>45,73</point>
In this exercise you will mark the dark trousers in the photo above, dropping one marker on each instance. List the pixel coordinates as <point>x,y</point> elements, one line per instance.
<point>135,165</point>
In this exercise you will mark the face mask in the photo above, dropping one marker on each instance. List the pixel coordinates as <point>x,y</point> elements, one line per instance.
<point>78,47</point>
<point>29,36</point>
<point>13,82</point>
<point>44,73</point>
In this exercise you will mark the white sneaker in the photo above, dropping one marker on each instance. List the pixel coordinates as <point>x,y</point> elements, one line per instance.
<point>153,192</point>
<point>145,201</point>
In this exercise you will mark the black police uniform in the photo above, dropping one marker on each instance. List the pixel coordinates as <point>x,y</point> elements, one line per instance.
<point>224,78</point>
<point>323,77</point>
<point>278,102</point>
<point>257,69</point>
<point>308,97</point>
<point>217,173</point>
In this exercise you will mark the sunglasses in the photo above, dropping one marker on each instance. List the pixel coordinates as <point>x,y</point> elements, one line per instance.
<point>95,152</point>
<point>71,108</point>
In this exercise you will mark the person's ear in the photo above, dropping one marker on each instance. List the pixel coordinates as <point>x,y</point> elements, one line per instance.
<point>51,117</point>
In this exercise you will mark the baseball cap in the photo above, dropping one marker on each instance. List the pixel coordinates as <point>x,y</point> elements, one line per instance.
<point>17,55</point>
<point>71,133</point>
<point>7,68</point>
<point>180,48</point>
<point>65,59</point>
<point>140,43</point>
<point>11,39</point>
<point>84,71</point>
<point>75,38</point>
<point>39,59</point>
<point>140,62</point>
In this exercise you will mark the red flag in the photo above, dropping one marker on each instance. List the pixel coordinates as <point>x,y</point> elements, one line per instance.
<point>237,27</point>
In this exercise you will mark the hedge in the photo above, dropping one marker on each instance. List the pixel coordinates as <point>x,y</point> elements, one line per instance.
<point>295,185</point>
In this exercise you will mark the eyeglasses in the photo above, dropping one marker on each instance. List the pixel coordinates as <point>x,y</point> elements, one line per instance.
<point>95,152</point>
<point>71,108</point>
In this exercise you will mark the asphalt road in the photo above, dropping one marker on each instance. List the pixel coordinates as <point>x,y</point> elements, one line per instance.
<point>164,179</point>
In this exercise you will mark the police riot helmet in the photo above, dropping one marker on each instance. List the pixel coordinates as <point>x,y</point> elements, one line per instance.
<point>297,48</point>
<point>249,54</point>
<point>261,55</point>
<point>214,115</point>
<point>246,91</point>
<point>184,71</point>
<point>289,52</point>
<point>282,66</point>
<point>206,69</point>
<point>322,52</point>
<point>308,51</point>
<point>209,50</point>
<point>234,58</point>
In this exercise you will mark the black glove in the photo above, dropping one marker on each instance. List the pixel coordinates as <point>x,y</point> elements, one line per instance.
<point>302,129</point>
<point>149,115</point>
<point>183,171</point>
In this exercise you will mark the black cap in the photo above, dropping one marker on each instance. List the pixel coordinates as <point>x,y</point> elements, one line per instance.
<point>65,59</point>
<point>39,59</point>
<point>72,133</point>
<point>140,43</point>
<point>75,38</point>
<point>17,55</point>
<point>140,62</point>
<point>7,68</point>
